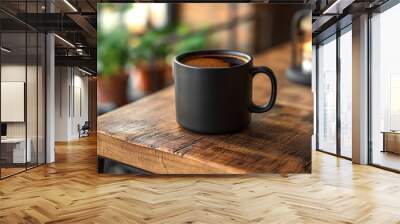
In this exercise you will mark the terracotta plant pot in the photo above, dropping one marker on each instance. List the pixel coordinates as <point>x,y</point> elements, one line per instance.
<point>150,78</point>
<point>112,89</point>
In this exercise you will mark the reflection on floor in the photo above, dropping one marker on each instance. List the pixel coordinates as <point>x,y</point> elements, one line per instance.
<point>346,152</point>
<point>71,191</point>
<point>9,170</point>
<point>386,159</point>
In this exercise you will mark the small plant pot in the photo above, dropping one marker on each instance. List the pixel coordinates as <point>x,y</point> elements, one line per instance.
<point>151,77</point>
<point>112,89</point>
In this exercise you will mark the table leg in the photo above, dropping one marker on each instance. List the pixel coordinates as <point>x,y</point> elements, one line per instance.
<point>100,164</point>
<point>384,142</point>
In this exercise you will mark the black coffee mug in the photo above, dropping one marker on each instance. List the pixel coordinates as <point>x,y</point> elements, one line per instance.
<point>217,100</point>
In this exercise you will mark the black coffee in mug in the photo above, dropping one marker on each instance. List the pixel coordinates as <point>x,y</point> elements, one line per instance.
<point>213,90</point>
<point>214,61</point>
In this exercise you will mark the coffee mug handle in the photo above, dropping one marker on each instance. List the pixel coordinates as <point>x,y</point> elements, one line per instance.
<point>266,107</point>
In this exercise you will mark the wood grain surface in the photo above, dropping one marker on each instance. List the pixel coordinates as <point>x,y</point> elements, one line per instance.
<point>71,191</point>
<point>145,134</point>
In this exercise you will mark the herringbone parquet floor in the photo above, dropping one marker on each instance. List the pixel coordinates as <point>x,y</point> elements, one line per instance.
<point>70,191</point>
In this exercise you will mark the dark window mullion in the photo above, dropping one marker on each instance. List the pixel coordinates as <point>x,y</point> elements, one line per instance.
<point>37,90</point>
<point>0,95</point>
<point>338,80</point>
<point>369,100</point>
<point>316,97</point>
<point>26,87</point>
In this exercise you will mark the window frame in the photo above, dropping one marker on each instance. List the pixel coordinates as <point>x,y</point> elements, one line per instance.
<point>381,9</point>
<point>27,29</point>
<point>346,26</point>
<point>339,28</point>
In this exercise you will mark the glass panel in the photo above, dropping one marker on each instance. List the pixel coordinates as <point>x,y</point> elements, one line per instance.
<point>23,91</point>
<point>385,92</point>
<point>41,99</point>
<point>314,87</point>
<point>31,98</point>
<point>327,97</point>
<point>345,94</point>
<point>13,87</point>
<point>32,88</point>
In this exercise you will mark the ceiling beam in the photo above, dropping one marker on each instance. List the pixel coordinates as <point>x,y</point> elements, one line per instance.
<point>79,61</point>
<point>337,7</point>
<point>82,22</point>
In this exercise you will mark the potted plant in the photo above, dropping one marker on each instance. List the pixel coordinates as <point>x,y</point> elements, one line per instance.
<point>151,54</point>
<point>148,53</point>
<point>112,57</point>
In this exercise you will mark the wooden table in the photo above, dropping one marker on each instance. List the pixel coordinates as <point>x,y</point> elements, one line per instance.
<point>14,152</point>
<point>391,141</point>
<point>145,135</point>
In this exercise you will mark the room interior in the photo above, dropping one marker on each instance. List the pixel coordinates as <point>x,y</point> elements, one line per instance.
<point>347,185</point>
<point>22,101</point>
<point>385,90</point>
<point>342,46</point>
<point>30,97</point>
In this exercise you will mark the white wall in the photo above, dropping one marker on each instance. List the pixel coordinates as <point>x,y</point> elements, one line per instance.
<point>80,100</point>
<point>13,100</point>
<point>62,81</point>
<point>33,126</point>
<point>71,93</point>
<point>12,73</point>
